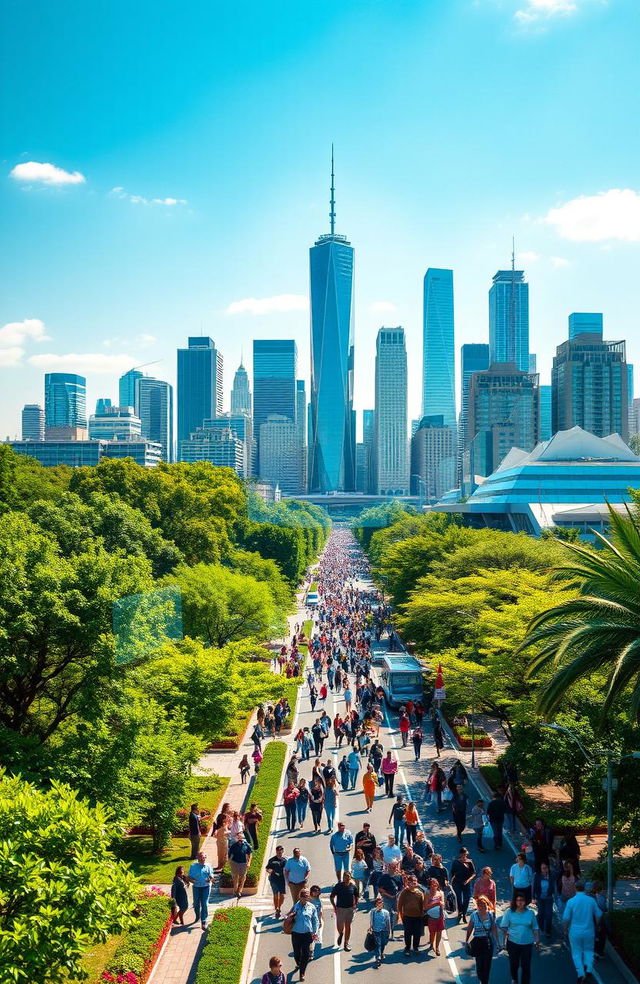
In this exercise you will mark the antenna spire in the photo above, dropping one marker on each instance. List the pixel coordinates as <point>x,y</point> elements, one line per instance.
<point>332,213</point>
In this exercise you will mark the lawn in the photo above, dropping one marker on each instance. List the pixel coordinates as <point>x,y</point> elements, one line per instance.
<point>98,957</point>
<point>207,791</point>
<point>150,868</point>
<point>223,954</point>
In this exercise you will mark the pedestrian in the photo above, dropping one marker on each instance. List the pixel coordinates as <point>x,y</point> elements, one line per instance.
<point>275,871</point>
<point>417,738</point>
<point>521,877</point>
<point>496,810</point>
<point>434,909</point>
<point>222,840</point>
<point>348,699</point>
<point>380,928</point>
<point>404,724</point>
<point>566,885</point>
<point>459,810</point>
<point>201,877</point>
<point>369,786</point>
<point>485,885</point>
<point>315,899</point>
<point>541,839</point>
<point>390,885</point>
<point>328,772</point>
<point>343,769</point>
<point>438,737</point>
<point>252,820</point>
<point>245,769</point>
<point>296,873</point>
<point>331,802</point>
<point>422,846</point>
<point>513,805</point>
<point>340,844</point>
<point>291,773</point>
<point>179,897</point>
<point>304,931</point>
<point>411,908</point>
<point>353,761</point>
<point>344,899</point>
<point>462,874</point>
<point>411,820</point>
<point>257,757</point>
<point>194,830</point>
<point>520,933</point>
<point>408,861</point>
<point>360,872</point>
<point>377,867</point>
<point>290,797</point>
<point>239,860</point>
<point>313,696</point>
<point>569,850</point>
<point>316,802</point>
<point>543,897</point>
<point>477,822</point>
<point>274,975</point>
<point>482,937</point>
<point>318,736</point>
<point>302,802</point>
<point>389,769</point>
<point>397,818</point>
<point>580,921</point>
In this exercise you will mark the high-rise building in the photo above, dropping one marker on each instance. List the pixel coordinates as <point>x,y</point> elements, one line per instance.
<point>275,362</point>
<point>589,386</point>
<point>509,319</point>
<point>301,424</point>
<point>368,439</point>
<point>217,443</point>
<point>391,447</point>
<point>580,321</point>
<point>154,402</point>
<point>433,458</point>
<point>65,406</point>
<point>630,394</point>
<point>127,388</point>
<point>32,422</point>
<point>199,384</point>
<point>332,433</point>
<point>533,362</point>
<point>280,459</point>
<point>438,357</point>
<point>105,401</point>
<point>241,392</point>
<point>241,427</point>
<point>634,421</point>
<point>546,429</point>
<point>474,357</point>
<point>80,453</point>
<point>115,424</point>
<point>504,412</point>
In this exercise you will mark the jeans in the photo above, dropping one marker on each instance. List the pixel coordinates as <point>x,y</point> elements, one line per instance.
<point>413,927</point>
<point>353,776</point>
<point>545,914</point>
<point>291,812</point>
<point>496,826</point>
<point>482,947</point>
<point>582,947</point>
<point>201,902</point>
<point>412,829</point>
<point>301,949</point>
<point>417,747</point>
<point>316,813</point>
<point>301,806</point>
<point>390,906</point>
<point>463,894</point>
<point>405,738</point>
<point>252,836</point>
<point>478,832</point>
<point>520,956</point>
<point>331,814</point>
<point>389,779</point>
<point>511,820</point>
<point>398,831</point>
<point>344,779</point>
<point>381,939</point>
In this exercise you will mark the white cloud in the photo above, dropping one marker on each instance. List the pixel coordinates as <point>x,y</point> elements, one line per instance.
<point>613,214</point>
<point>95,362</point>
<point>559,261</point>
<point>528,256</point>
<point>382,307</point>
<point>144,338</point>
<point>269,305</point>
<point>141,200</point>
<point>33,171</point>
<point>11,356</point>
<point>536,10</point>
<point>16,333</point>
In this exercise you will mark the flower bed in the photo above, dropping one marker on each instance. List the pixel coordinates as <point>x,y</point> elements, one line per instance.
<point>233,740</point>
<point>134,959</point>
<point>464,737</point>
<point>223,953</point>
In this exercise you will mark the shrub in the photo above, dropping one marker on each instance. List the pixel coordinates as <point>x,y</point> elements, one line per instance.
<point>223,953</point>
<point>625,924</point>
<point>141,944</point>
<point>556,819</point>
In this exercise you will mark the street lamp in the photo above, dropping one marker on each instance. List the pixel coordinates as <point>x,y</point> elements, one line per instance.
<point>421,485</point>
<point>473,676</point>
<point>610,785</point>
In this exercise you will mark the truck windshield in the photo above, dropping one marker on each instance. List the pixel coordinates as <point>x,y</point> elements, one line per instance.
<point>405,682</point>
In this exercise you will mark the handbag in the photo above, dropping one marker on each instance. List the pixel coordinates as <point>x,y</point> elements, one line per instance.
<point>447,795</point>
<point>434,912</point>
<point>287,925</point>
<point>370,942</point>
<point>450,901</point>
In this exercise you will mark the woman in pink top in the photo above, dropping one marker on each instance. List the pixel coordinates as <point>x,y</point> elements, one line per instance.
<point>389,769</point>
<point>485,885</point>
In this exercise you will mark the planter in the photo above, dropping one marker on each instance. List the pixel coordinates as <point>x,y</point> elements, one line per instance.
<point>481,741</point>
<point>232,743</point>
<point>245,891</point>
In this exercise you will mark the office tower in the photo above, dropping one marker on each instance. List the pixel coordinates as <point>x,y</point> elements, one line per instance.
<point>509,318</point>
<point>32,422</point>
<point>199,384</point>
<point>630,391</point>
<point>332,432</point>
<point>127,388</point>
<point>114,424</point>
<point>65,406</point>
<point>80,453</point>
<point>301,423</point>
<point>154,400</point>
<point>589,386</point>
<point>546,430</point>
<point>433,458</point>
<point>241,427</point>
<point>504,412</point>
<point>280,460</point>
<point>533,362</point>
<point>241,392</point>
<point>219,445</point>
<point>391,448</point>
<point>368,439</point>
<point>579,322</point>
<point>438,357</point>
<point>103,402</point>
<point>474,357</point>
<point>275,363</point>
<point>634,422</point>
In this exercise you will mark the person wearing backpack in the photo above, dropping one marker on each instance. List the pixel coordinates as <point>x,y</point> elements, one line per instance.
<point>482,938</point>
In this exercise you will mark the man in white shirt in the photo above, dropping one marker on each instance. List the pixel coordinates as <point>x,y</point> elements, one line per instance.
<point>391,852</point>
<point>579,921</point>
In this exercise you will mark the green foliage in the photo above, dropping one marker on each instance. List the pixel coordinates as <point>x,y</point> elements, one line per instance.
<point>23,480</point>
<point>263,569</point>
<point>377,517</point>
<point>223,954</point>
<point>625,924</point>
<point>286,545</point>
<point>139,945</point>
<point>62,889</point>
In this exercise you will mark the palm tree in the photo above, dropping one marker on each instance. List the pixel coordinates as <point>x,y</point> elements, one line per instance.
<point>598,631</point>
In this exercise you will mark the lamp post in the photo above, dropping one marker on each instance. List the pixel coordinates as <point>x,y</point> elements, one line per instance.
<point>473,676</point>
<point>610,784</point>
<point>421,486</point>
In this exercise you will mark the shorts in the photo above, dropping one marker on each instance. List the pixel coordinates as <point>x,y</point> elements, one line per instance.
<point>341,862</point>
<point>344,917</point>
<point>237,868</point>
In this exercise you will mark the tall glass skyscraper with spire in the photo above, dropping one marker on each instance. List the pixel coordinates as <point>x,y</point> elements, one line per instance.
<point>439,359</point>
<point>332,433</point>
<point>509,319</point>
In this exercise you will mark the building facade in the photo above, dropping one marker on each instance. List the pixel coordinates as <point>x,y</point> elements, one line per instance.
<point>200,368</point>
<point>433,458</point>
<point>241,427</point>
<point>65,406</point>
<point>241,392</point>
<point>438,356</point>
<point>546,428</point>
<point>280,458</point>
<point>589,386</point>
<point>581,321</point>
<point>509,319</point>
<point>301,424</point>
<point>275,363</point>
<point>218,445</point>
<point>390,441</point>
<point>78,454</point>
<point>154,403</point>
<point>504,412</point>
<point>115,424</point>
<point>474,357</point>
<point>127,391</point>
<point>32,422</point>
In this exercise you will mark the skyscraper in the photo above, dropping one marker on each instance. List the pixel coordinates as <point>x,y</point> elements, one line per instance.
<point>332,433</point>
<point>127,388</point>
<point>32,422</point>
<point>438,365</point>
<point>65,406</point>
<point>241,392</point>
<point>533,362</point>
<point>274,382</point>
<point>589,386</point>
<point>154,400</point>
<point>103,402</point>
<point>280,459</point>
<point>301,424</point>
<point>368,439</point>
<point>581,321</point>
<point>546,430</point>
<point>474,357</point>
<point>509,318</point>
<point>199,384</point>
<point>391,448</point>
<point>504,412</point>
<point>433,458</point>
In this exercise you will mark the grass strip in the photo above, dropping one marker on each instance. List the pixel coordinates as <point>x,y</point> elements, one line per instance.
<point>223,954</point>
<point>140,945</point>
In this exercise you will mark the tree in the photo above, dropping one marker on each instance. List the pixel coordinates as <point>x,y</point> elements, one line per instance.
<point>62,888</point>
<point>284,544</point>
<point>598,631</point>
<point>266,570</point>
<point>24,480</point>
<point>377,517</point>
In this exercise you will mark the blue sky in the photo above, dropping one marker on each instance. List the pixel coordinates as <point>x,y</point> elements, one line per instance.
<point>164,169</point>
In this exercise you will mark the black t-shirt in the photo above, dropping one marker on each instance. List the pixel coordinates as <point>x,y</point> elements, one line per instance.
<point>366,841</point>
<point>399,810</point>
<point>461,871</point>
<point>440,875</point>
<point>344,896</point>
<point>277,866</point>
<point>391,883</point>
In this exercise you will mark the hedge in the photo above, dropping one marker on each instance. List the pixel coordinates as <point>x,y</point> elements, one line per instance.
<point>142,943</point>
<point>554,818</point>
<point>625,927</point>
<point>266,793</point>
<point>223,953</point>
